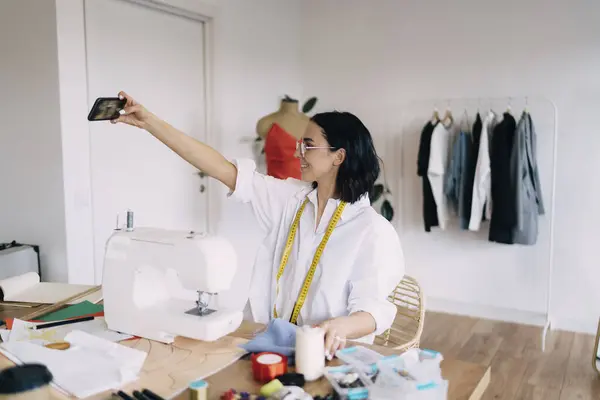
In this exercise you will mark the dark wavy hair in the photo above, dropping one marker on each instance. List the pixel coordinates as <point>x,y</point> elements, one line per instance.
<point>360,169</point>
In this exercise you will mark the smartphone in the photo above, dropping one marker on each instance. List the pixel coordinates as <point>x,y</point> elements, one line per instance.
<point>106,108</point>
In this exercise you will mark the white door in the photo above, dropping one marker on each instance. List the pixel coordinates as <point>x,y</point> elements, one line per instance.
<point>158,58</point>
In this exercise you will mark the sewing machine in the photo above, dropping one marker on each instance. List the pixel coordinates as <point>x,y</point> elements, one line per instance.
<point>159,284</point>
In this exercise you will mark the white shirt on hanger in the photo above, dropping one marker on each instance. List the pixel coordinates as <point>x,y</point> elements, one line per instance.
<point>482,185</point>
<point>439,154</point>
<point>361,265</point>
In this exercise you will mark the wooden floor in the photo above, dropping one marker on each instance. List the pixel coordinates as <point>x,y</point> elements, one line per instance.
<point>519,368</point>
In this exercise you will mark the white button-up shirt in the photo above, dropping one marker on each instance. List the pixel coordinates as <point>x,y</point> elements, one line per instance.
<point>361,265</point>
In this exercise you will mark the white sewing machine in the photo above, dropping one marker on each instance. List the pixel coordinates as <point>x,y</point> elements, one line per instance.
<point>158,284</point>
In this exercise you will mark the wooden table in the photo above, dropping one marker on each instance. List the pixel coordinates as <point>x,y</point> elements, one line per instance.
<point>466,380</point>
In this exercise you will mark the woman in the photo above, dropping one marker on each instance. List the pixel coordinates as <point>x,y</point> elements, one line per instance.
<point>324,220</point>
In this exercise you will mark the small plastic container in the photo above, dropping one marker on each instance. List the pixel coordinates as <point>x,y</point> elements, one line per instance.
<point>415,375</point>
<point>348,381</point>
<point>361,357</point>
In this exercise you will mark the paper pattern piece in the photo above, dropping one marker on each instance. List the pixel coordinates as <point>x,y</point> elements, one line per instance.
<point>169,369</point>
<point>27,288</point>
<point>21,331</point>
<point>91,365</point>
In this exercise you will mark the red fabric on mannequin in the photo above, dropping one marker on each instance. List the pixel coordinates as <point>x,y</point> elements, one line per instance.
<point>280,147</point>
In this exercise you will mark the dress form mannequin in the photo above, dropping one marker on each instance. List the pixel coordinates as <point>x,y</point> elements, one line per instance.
<point>288,117</point>
<point>281,130</point>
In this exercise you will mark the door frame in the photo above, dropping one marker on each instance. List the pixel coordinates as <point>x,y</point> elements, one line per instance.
<point>74,106</point>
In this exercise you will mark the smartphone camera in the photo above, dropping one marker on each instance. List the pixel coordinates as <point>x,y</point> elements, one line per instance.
<point>106,108</point>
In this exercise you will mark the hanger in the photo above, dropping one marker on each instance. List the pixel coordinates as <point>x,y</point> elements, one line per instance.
<point>448,119</point>
<point>526,108</point>
<point>436,115</point>
<point>465,119</point>
<point>508,107</point>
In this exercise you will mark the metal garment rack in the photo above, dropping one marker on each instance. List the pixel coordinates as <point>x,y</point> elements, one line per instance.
<point>441,104</point>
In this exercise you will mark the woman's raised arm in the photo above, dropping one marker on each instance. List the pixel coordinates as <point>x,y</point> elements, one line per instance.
<point>200,155</point>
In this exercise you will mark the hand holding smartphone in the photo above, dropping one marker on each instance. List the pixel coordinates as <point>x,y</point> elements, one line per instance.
<point>106,108</point>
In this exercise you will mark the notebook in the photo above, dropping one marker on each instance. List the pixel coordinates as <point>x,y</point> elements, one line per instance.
<point>27,288</point>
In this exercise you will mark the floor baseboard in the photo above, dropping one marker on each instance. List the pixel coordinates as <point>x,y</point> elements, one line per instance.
<point>510,315</point>
<point>484,311</point>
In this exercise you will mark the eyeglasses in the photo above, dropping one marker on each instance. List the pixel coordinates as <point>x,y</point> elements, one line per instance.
<point>300,145</point>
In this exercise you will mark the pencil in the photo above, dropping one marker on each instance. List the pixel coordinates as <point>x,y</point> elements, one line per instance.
<point>64,322</point>
<point>138,395</point>
<point>151,394</point>
<point>124,395</point>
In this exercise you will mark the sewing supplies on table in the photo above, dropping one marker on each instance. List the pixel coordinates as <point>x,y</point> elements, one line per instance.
<point>290,393</point>
<point>291,379</point>
<point>360,357</point>
<point>198,390</point>
<point>271,388</point>
<point>414,375</point>
<point>144,394</point>
<point>266,366</point>
<point>150,394</point>
<point>310,352</point>
<point>158,284</point>
<point>347,381</point>
<point>279,337</point>
<point>112,365</point>
<point>64,322</point>
<point>232,394</point>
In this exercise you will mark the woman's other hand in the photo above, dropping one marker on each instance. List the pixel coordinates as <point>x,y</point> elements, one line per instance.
<point>338,330</point>
<point>133,114</point>
<point>335,335</point>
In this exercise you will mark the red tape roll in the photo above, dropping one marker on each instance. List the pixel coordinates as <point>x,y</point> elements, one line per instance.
<point>266,366</point>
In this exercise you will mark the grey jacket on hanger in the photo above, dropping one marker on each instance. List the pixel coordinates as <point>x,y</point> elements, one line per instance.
<point>528,190</point>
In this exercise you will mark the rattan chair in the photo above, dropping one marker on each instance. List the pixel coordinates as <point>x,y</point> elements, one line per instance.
<point>407,328</point>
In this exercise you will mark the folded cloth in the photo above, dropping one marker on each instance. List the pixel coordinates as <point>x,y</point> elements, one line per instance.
<point>279,337</point>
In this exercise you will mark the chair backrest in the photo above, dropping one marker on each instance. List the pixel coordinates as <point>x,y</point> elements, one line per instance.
<point>405,333</point>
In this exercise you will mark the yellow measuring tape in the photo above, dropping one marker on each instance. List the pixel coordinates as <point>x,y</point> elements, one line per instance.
<point>311,272</point>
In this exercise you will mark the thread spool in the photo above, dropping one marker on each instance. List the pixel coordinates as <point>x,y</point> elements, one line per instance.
<point>310,352</point>
<point>129,221</point>
<point>271,388</point>
<point>266,366</point>
<point>198,390</point>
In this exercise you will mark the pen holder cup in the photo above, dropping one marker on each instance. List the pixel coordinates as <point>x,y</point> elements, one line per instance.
<point>26,381</point>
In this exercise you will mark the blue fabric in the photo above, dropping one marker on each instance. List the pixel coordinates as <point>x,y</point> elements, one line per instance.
<point>279,337</point>
<point>456,178</point>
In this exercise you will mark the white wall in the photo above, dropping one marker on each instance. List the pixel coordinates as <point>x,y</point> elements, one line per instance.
<point>371,60</point>
<point>72,76</point>
<point>251,73</point>
<point>31,194</point>
<point>374,60</point>
<point>256,63</point>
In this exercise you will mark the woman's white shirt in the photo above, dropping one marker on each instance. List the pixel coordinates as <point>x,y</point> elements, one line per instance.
<point>362,262</point>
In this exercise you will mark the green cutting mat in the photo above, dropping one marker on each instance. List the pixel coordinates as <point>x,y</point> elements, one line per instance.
<point>72,311</point>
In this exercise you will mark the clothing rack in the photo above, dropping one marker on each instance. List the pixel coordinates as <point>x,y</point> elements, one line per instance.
<point>456,105</point>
